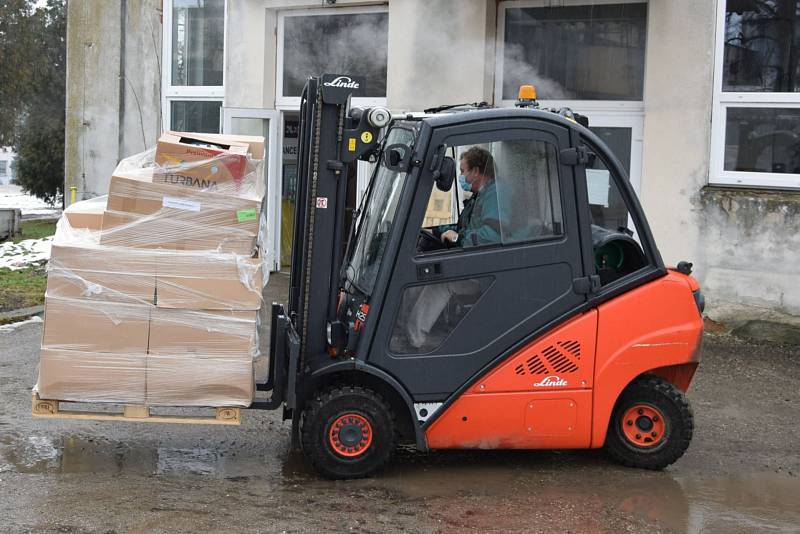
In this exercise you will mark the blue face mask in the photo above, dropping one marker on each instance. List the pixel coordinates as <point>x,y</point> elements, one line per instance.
<point>462,181</point>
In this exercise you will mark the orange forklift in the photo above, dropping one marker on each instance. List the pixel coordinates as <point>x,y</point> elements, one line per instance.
<point>546,320</point>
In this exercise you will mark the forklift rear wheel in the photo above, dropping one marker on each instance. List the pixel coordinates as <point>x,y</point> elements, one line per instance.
<point>347,432</point>
<point>651,426</point>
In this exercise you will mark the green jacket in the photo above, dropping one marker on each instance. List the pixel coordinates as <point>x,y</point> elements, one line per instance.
<point>479,222</point>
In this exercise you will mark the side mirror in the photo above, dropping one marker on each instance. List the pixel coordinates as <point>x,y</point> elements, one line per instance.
<point>446,174</point>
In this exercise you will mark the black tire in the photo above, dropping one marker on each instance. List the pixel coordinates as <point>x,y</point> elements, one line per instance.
<point>650,395</point>
<point>347,405</point>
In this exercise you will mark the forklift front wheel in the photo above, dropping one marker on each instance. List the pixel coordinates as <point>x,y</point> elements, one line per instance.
<point>347,432</point>
<point>651,425</point>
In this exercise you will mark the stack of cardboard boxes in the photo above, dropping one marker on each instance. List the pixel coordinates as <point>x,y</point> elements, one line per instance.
<point>153,292</point>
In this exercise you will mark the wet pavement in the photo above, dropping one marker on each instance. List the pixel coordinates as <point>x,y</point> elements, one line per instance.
<point>739,475</point>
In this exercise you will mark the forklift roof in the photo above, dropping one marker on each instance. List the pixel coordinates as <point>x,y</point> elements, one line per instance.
<point>471,114</point>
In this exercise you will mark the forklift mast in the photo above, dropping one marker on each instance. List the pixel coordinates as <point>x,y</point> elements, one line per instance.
<point>332,137</point>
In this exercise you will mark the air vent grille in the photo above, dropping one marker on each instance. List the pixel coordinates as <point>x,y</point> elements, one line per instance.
<point>561,358</point>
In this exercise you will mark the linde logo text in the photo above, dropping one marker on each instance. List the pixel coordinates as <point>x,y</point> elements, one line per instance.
<point>342,81</point>
<point>551,381</point>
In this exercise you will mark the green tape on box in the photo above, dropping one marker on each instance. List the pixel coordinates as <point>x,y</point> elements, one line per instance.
<point>246,215</point>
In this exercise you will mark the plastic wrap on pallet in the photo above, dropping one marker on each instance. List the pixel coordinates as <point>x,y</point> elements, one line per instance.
<point>154,290</point>
<point>200,175</point>
<point>95,351</point>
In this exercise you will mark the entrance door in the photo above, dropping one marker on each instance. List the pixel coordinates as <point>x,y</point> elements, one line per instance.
<point>449,312</point>
<point>254,121</point>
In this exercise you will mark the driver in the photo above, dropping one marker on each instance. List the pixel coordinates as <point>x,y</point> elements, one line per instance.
<point>478,224</point>
<point>479,221</point>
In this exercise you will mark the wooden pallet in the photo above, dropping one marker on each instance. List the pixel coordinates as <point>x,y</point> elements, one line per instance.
<point>134,414</point>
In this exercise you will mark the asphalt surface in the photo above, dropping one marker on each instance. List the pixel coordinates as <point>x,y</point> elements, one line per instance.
<point>739,475</point>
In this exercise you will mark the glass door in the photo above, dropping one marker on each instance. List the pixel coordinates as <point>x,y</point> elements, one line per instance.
<point>255,121</point>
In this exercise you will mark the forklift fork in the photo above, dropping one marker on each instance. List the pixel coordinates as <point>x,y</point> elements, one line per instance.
<point>284,353</point>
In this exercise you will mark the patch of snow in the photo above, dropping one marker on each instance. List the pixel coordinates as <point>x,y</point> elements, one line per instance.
<point>11,196</point>
<point>6,328</point>
<point>16,256</point>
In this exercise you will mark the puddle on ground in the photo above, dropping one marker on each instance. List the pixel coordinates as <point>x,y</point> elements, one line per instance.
<point>497,490</point>
<point>764,502</point>
<point>71,454</point>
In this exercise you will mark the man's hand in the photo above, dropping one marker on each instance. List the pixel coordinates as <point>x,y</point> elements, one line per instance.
<point>450,235</point>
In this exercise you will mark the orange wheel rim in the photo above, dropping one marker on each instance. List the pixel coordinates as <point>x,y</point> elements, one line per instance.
<point>643,426</point>
<point>350,435</point>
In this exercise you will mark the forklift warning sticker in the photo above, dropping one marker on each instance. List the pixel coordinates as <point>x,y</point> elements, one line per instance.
<point>180,204</point>
<point>322,202</point>
<point>249,214</point>
<point>366,137</point>
<point>351,144</point>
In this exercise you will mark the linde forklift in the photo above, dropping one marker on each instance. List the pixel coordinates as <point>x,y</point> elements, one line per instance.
<point>563,331</point>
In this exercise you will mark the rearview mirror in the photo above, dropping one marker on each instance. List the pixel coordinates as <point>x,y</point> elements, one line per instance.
<point>446,174</point>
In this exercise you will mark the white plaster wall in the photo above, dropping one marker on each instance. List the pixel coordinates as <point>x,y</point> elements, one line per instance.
<point>438,53</point>
<point>745,244</point>
<point>245,54</point>
<point>110,114</point>
<point>92,109</point>
<point>142,89</point>
<point>677,99</point>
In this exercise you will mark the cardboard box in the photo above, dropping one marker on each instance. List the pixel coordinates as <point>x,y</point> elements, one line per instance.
<point>92,376</point>
<point>155,231</point>
<point>89,326</point>
<point>201,208</point>
<point>101,286</point>
<point>86,214</point>
<point>97,273</point>
<point>208,281</point>
<point>199,380</point>
<point>224,334</point>
<point>199,161</point>
<point>256,143</point>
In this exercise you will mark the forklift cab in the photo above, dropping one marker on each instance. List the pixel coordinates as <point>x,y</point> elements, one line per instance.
<point>438,314</point>
<point>544,318</point>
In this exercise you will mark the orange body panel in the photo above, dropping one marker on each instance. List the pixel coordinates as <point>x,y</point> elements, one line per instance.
<point>651,327</point>
<point>538,398</point>
<point>515,420</point>
<point>560,390</point>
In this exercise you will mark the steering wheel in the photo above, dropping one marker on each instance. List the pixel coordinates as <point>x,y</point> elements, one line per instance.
<point>427,241</point>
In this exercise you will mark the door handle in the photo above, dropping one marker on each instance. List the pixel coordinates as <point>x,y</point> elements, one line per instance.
<point>428,271</point>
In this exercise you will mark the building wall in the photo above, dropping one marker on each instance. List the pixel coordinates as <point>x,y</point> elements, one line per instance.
<point>439,53</point>
<point>744,243</point>
<point>113,88</point>
<point>7,155</point>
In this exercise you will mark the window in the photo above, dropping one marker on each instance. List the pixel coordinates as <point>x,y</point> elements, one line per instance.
<point>616,251</point>
<point>195,115</point>
<point>517,197</point>
<point>575,52</point>
<point>3,168</point>
<point>757,94</point>
<point>336,41</point>
<point>588,55</point>
<point>194,39</point>
<point>429,313</point>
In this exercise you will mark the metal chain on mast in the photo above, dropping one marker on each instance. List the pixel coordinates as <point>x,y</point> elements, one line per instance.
<point>311,215</point>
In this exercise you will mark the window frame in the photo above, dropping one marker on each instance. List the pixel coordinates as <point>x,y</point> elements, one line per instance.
<point>630,106</point>
<point>533,134</point>
<point>292,103</point>
<point>722,101</point>
<point>198,93</point>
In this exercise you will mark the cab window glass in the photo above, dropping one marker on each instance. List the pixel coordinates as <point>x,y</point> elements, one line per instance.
<point>507,192</point>
<point>429,313</point>
<point>616,251</point>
